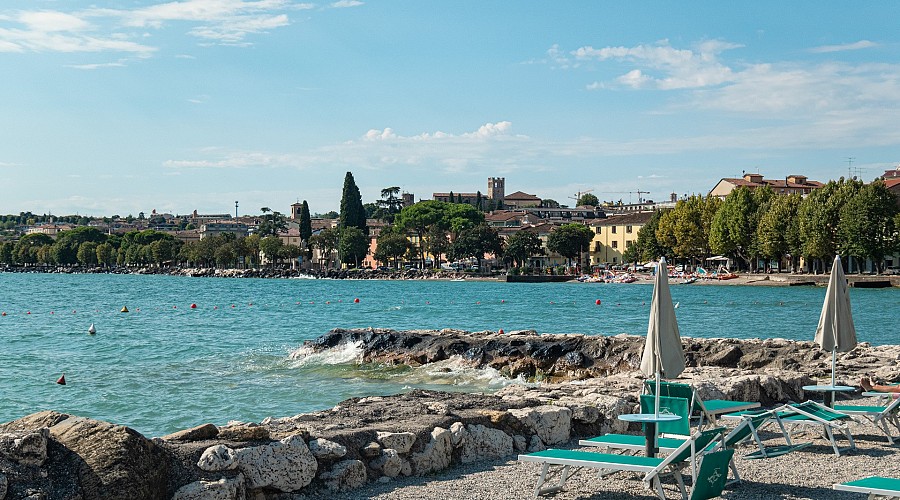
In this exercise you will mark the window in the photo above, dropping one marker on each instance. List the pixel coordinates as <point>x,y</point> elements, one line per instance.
<point>615,244</point>
<point>597,246</point>
<point>613,229</point>
<point>614,259</point>
<point>628,243</point>
<point>628,229</point>
<point>597,229</point>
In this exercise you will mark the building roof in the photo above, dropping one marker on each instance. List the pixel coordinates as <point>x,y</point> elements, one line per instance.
<point>774,183</point>
<point>630,219</point>
<point>519,195</point>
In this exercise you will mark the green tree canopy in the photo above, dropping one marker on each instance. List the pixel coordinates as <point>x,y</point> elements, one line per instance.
<point>647,247</point>
<point>587,200</point>
<point>353,214</point>
<point>353,245</point>
<point>521,246</point>
<point>305,222</point>
<point>685,229</point>
<point>778,232</point>
<point>570,240</point>
<point>475,242</point>
<point>392,246</point>
<point>866,227</point>
<point>273,222</point>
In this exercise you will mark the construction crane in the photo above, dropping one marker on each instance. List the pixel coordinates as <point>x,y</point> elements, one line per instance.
<point>638,192</point>
<point>579,194</point>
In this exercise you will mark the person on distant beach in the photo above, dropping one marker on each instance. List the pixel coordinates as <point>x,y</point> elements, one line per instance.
<point>867,384</point>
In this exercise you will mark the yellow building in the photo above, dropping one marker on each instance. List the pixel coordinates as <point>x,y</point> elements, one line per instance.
<point>612,236</point>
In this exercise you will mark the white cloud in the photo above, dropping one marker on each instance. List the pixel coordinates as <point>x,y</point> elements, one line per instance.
<point>671,68</point>
<point>225,22</point>
<point>48,21</point>
<point>343,4</point>
<point>117,64</point>
<point>862,44</point>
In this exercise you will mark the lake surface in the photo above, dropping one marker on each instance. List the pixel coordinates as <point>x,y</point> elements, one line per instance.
<point>164,366</point>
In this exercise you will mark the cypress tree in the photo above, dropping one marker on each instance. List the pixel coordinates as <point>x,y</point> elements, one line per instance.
<point>305,222</point>
<point>353,214</point>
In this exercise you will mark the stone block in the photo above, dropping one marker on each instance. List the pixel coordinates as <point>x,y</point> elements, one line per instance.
<point>389,463</point>
<point>199,433</point>
<point>552,423</point>
<point>285,465</point>
<point>326,450</point>
<point>435,456</point>
<point>400,441</point>
<point>485,443</point>
<point>217,458</point>
<point>25,447</point>
<point>346,475</point>
<point>223,489</point>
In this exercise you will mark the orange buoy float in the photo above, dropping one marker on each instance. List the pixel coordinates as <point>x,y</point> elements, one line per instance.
<point>61,380</point>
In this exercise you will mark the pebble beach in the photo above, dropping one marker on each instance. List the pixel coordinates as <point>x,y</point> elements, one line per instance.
<point>804,474</point>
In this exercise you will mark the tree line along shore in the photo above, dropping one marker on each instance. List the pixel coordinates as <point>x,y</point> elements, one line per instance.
<point>757,229</point>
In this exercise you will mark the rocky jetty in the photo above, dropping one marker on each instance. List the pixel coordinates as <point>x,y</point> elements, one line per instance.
<point>589,382</point>
<point>548,357</point>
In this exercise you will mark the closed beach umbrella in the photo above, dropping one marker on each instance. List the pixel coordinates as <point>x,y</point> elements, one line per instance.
<point>662,355</point>
<point>836,332</point>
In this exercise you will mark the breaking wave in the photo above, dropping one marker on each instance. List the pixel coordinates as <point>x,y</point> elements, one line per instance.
<point>350,352</point>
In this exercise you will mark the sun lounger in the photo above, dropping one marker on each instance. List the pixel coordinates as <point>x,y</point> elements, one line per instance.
<point>705,409</point>
<point>880,416</point>
<point>815,414</point>
<point>875,486</point>
<point>670,434</point>
<point>690,452</point>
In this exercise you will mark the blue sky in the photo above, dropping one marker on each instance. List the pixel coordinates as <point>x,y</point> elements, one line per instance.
<point>122,106</point>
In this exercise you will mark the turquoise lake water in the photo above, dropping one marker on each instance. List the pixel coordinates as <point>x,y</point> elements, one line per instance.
<point>164,366</point>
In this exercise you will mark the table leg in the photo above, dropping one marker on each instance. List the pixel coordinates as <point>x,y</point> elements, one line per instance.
<point>828,399</point>
<point>650,437</point>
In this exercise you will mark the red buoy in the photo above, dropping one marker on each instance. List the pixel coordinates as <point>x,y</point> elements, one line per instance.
<point>500,331</point>
<point>356,301</point>
<point>4,314</point>
<point>598,302</point>
<point>193,306</point>
<point>61,380</point>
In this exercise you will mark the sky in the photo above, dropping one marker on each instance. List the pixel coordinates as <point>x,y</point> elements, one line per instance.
<point>127,106</point>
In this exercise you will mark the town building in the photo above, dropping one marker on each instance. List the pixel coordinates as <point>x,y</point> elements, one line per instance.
<point>792,184</point>
<point>210,229</point>
<point>521,200</point>
<point>614,235</point>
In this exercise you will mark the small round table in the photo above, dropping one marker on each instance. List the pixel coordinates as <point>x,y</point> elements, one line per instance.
<point>828,392</point>
<point>649,420</point>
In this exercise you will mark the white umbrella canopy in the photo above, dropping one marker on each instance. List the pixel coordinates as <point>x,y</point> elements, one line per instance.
<point>663,355</point>
<point>836,332</point>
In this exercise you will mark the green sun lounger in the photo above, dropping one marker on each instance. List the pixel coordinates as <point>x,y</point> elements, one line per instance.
<point>815,414</point>
<point>705,409</point>
<point>874,486</point>
<point>692,451</point>
<point>883,417</point>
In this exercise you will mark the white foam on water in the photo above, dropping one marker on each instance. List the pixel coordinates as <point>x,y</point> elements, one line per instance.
<point>349,352</point>
<point>455,371</point>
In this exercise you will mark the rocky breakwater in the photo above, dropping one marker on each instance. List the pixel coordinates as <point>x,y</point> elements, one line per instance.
<point>551,357</point>
<point>51,455</point>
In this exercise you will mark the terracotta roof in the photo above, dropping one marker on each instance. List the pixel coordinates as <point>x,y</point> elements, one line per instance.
<point>891,183</point>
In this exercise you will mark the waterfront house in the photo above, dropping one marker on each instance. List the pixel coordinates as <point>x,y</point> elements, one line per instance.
<point>612,236</point>
<point>792,184</point>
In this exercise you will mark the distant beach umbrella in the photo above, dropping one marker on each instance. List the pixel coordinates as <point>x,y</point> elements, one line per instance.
<point>663,355</point>
<point>836,332</point>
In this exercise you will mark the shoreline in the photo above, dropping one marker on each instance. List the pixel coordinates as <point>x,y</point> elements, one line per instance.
<point>768,279</point>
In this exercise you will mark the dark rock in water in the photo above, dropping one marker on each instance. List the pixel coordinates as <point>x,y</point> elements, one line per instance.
<point>562,357</point>
<point>199,433</point>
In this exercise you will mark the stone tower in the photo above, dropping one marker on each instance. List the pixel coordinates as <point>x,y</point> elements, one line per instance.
<point>496,188</point>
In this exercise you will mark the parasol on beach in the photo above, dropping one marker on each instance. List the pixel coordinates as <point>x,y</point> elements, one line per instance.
<point>662,356</point>
<point>836,332</point>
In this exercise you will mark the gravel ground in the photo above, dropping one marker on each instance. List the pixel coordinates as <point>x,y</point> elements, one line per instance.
<point>805,474</point>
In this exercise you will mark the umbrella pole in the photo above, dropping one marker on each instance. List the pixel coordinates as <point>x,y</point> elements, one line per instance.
<point>656,404</point>
<point>833,364</point>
